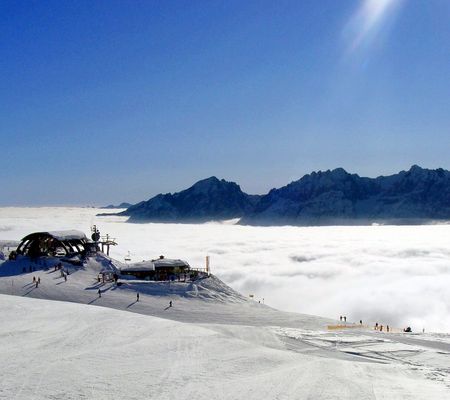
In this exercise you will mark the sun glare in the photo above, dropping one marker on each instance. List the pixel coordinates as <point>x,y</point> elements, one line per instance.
<point>368,20</point>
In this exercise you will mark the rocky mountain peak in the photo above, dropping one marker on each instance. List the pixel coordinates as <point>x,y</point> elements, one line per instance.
<point>322,197</point>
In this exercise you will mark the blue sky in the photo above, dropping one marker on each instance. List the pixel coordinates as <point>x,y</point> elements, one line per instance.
<point>107,101</point>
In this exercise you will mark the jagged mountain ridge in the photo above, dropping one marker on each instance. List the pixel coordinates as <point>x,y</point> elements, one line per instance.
<point>208,199</point>
<point>320,198</point>
<point>339,197</point>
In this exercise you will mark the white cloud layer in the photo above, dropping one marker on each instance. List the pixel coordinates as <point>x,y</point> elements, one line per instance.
<point>396,275</point>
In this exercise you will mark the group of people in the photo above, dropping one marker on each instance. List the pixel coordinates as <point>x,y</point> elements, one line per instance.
<point>377,326</point>
<point>63,271</point>
<point>37,281</point>
<point>99,292</point>
<point>380,327</point>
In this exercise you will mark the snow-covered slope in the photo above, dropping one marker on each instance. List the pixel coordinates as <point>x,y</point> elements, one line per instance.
<point>212,343</point>
<point>57,350</point>
<point>207,300</point>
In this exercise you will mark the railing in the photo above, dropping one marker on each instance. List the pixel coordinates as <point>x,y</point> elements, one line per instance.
<point>365,327</point>
<point>199,270</point>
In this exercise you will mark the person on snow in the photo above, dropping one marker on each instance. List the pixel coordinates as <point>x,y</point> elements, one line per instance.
<point>170,303</point>
<point>360,321</point>
<point>137,296</point>
<point>345,319</point>
<point>381,328</point>
<point>387,328</point>
<point>37,283</point>
<point>65,277</point>
<point>376,326</point>
<point>39,280</point>
<point>340,318</point>
<point>34,279</point>
<point>99,293</point>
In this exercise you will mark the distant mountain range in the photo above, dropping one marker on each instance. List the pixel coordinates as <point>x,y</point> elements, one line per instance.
<point>320,198</point>
<point>121,205</point>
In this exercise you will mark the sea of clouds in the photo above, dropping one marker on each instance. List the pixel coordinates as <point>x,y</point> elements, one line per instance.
<point>396,275</point>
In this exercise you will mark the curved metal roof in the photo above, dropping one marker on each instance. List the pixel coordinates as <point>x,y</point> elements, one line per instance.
<point>59,235</point>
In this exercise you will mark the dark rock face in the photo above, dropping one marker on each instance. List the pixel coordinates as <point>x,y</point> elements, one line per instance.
<point>208,199</point>
<point>417,193</point>
<point>320,198</point>
<point>337,197</point>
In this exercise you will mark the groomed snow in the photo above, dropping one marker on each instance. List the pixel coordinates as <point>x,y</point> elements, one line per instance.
<point>212,343</point>
<point>59,350</point>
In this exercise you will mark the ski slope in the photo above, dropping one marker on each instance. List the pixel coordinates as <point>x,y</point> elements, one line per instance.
<point>212,344</point>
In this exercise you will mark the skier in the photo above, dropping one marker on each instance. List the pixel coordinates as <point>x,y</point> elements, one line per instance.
<point>99,293</point>
<point>39,280</point>
<point>345,319</point>
<point>65,277</point>
<point>170,303</point>
<point>360,321</point>
<point>340,318</point>
<point>34,279</point>
<point>387,328</point>
<point>137,296</point>
<point>376,326</point>
<point>381,328</point>
<point>36,283</point>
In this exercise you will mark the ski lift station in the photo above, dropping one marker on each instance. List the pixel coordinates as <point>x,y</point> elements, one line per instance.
<point>161,269</point>
<point>75,248</point>
<point>55,244</point>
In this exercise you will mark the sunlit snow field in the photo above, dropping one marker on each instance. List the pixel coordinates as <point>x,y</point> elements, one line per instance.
<point>396,275</point>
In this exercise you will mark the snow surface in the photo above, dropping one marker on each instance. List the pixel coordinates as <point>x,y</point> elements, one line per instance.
<point>67,235</point>
<point>213,343</point>
<point>57,350</point>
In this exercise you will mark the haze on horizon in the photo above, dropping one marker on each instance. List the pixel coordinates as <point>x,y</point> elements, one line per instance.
<point>112,101</point>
